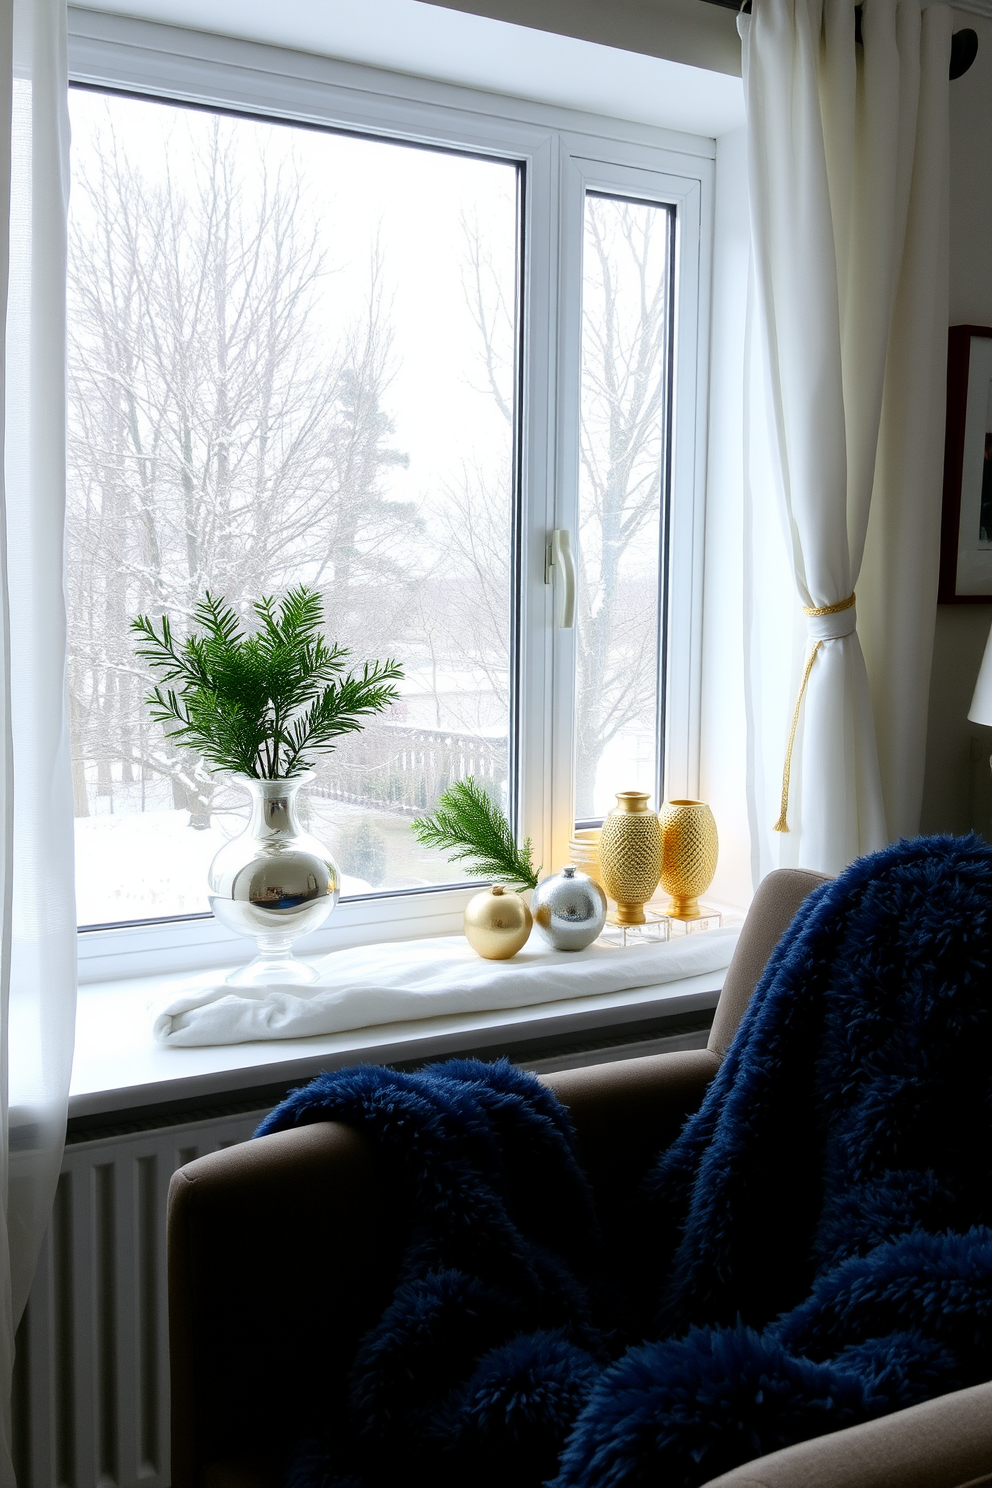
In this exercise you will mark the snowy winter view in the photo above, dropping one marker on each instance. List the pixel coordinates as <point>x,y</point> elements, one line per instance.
<point>292,360</point>
<point>626,302</point>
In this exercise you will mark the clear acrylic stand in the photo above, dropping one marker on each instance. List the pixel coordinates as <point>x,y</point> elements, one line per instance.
<point>657,928</point>
<point>707,919</point>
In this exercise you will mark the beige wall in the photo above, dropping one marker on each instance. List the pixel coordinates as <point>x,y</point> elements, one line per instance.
<point>957,790</point>
<point>689,31</point>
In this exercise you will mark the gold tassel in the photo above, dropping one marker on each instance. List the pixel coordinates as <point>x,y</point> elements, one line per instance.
<point>782,825</point>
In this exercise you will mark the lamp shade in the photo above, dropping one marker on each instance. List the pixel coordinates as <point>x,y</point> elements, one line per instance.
<point>981,703</point>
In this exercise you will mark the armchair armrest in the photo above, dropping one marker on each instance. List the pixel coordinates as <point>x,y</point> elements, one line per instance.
<point>943,1443</point>
<point>281,1255</point>
<point>627,1111</point>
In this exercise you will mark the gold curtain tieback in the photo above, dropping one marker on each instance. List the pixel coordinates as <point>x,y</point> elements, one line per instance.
<point>812,612</point>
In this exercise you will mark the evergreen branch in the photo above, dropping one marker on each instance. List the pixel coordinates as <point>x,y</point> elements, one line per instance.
<point>342,709</point>
<point>218,619</point>
<point>260,704</point>
<point>467,824</point>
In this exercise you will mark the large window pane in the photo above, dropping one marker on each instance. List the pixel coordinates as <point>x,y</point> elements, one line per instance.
<point>626,305</point>
<point>291,360</point>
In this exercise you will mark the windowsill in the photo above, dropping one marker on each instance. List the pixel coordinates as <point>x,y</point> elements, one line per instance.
<point>118,1065</point>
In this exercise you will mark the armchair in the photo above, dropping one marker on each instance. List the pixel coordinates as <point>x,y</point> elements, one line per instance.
<point>281,1255</point>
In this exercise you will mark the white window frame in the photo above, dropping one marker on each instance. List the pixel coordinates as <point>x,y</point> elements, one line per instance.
<point>564,155</point>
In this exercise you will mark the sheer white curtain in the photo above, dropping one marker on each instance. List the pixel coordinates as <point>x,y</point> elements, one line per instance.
<point>847,162</point>
<point>37,929</point>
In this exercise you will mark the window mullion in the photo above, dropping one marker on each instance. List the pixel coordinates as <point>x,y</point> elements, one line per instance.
<point>568,408</point>
<point>540,312</point>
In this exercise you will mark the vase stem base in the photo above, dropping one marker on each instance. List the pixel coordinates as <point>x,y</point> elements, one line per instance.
<point>274,969</point>
<point>629,914</point>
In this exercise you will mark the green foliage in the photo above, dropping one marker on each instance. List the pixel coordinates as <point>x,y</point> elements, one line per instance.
<point>261,704</point>
<point>469,825</point>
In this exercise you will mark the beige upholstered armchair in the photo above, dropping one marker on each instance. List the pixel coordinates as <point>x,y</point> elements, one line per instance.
<point>281,1256</point>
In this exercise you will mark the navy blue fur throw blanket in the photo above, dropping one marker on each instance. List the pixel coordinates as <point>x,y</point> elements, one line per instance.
<point>819,1230</point>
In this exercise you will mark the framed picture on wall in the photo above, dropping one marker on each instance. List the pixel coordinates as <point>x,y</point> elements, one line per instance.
<point>966,524</point>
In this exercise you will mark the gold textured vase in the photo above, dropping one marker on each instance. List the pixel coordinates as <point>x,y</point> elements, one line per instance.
<point>689,854</point>
<point>497,923</point>
<point>630,855</point>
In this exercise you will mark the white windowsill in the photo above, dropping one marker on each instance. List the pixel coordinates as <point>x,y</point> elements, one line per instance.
<point>119,1067</point>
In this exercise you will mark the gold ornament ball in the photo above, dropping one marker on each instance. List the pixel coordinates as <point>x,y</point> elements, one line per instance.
<point>497,923</point>
<point>630,855</point>
<point>689,853</point>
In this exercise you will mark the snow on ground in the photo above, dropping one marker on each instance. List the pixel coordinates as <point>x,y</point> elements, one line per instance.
<point>148,865</point>
<point>144,865</point>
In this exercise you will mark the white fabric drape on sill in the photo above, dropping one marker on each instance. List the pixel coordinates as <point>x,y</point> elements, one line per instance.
<point>37,915</point>
<point>847,160</point>
<point>403,981</point>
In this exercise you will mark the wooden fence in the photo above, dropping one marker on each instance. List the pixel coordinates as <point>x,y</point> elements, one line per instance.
<point>395,768</point>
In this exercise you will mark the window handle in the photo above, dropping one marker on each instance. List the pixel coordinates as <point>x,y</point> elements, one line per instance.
<point>559,557</point>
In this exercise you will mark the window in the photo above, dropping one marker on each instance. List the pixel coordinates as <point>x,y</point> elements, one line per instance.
<point>384,342</point>
<point>291,360</point>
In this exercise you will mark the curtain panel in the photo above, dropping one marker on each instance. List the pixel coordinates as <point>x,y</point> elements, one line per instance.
<point>37,912</point>
<point>847,330</point>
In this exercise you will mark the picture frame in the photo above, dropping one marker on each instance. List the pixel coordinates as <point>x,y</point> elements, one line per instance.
<point>966,519</point>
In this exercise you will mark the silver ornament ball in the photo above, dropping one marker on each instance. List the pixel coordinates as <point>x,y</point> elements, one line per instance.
<point>569,909</point>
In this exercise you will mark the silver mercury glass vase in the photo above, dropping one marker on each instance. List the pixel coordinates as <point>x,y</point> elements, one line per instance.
<point>273,883</point>
<point>569,909</point>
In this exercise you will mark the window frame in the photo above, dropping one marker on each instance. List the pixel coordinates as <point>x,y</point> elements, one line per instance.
<point>564,154</point>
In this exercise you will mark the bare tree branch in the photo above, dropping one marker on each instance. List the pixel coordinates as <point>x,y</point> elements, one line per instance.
<point>215,441</point>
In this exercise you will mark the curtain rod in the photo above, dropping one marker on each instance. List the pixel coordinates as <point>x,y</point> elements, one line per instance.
<point>964,44</point>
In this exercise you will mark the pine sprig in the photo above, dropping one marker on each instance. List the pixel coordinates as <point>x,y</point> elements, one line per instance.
<point>469,826</point>
<point>261,704</point>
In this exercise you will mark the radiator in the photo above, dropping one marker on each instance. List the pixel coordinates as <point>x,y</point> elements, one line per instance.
<point>91,1386</point>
